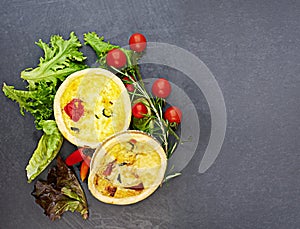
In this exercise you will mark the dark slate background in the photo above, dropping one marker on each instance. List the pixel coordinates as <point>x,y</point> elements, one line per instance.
<point>251,47</point>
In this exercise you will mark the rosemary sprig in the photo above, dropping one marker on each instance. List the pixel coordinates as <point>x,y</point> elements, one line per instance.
<point>161,128</point>
<point>154,123</point>
<point>171,176</point>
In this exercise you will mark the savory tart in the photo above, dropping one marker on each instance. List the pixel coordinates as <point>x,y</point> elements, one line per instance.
<point>91,105</point>
<point>127,168</point>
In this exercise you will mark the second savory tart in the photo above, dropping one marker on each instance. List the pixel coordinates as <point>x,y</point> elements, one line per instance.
<point>127,168</point>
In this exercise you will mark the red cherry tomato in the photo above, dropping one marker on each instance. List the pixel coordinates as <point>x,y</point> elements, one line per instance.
<point>173,114</point>
<point>137,42</point>
<point>127,79</point>
<point>128,84</point>
<point>129,87</point>
<point>161,88</point>
<point>139,110</point>
<point>116,58</point>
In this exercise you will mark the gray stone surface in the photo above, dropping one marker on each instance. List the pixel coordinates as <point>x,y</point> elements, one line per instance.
<point>252,48</point>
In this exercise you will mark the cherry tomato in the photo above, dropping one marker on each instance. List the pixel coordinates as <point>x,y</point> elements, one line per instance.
<point>139,110</point>
<point>116,58</point>
<point>129,86</point>
<point>173,114</point>
<point>161,88</point>
<point>137,42</point>
<point>127,79</point>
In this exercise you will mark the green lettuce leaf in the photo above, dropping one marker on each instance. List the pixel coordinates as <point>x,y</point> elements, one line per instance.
<point>47,149</point>
<point>101,48</point>
<point>61,192</point>
<point>38,102</point>
<point>61,59</point>
<point>98,44</point>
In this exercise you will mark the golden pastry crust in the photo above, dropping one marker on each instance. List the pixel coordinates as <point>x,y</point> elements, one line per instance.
<point>127,168</point>
<point>106,104</point>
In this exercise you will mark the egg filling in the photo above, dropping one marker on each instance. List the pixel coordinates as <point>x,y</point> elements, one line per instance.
<point>128,168</point>
<point>101,112</point>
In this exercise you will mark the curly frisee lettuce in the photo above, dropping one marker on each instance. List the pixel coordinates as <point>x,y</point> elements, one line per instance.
<point>61,58</point>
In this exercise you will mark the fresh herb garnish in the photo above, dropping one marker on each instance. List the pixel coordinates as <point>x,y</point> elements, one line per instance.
<point>153,123</point>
